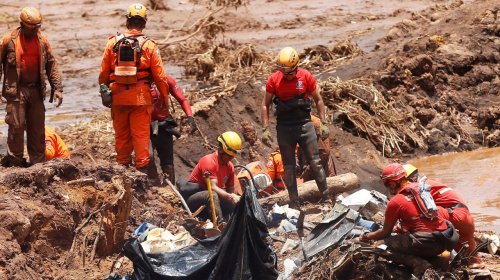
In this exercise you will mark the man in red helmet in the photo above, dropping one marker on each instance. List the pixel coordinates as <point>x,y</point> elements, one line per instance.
<point>422,237</point>
<point>453,209</point>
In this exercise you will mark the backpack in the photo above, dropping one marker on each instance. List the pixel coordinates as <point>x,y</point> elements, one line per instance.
<point>425,203</point>
<point>128,50</point>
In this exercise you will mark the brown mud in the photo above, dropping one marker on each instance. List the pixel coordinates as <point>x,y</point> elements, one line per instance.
<point>414,78</point>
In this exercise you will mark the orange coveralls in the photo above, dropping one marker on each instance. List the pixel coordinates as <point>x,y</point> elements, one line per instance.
<point>54,145</point>
<point>276,171</point>
<point>131,108</point>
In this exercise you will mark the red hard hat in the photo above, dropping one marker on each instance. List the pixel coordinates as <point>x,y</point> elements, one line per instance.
<point>393,172</point>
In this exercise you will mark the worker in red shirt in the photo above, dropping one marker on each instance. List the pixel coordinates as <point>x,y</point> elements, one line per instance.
<point>26,60</point>
<point>131,61</point>
<point>54,145</point>
<point>162,139</point>
<point>221,171</point>
<point>453,208</point>
<point>291,89</point>
<point>424,237</point>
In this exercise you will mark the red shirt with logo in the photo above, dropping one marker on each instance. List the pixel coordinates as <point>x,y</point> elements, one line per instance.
<point>224,173</point>
<point>304,82</point>
<point>404,208</point>
<point>443,195</point>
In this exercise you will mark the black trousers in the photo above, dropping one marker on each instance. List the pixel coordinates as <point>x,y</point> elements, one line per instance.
<point>305,136</point>
<point>196,197</point>
<point>163,143</point>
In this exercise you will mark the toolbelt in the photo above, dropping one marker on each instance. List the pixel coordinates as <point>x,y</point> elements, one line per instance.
<point>295,110</point>
<point>448,236</point>
<point>169,125</point>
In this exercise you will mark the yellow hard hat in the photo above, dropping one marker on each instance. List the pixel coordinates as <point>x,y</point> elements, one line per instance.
<point>409,169</point>
<point>30,16</point>
<point>137,10</point>
<point>288,58</point>
<point>230,142</point>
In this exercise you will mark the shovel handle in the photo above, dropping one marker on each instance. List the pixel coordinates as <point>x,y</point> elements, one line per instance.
<point>211,196</point>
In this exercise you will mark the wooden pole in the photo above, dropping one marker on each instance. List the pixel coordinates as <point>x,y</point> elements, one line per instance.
<point>308,191</point>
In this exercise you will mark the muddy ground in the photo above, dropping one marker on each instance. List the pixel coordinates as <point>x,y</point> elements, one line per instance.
<point>400,79</point>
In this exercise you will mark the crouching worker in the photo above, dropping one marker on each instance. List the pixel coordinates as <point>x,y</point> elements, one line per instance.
<point>453,209</point>
<point>220,169</point>
<point>424,234</point>
<point>54,145</point>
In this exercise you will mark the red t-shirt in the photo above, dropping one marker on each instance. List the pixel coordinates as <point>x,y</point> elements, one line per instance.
<point>443,195</point>
<point>30,60</point>
<point>223,173</point>
<point>403,207</point>
<point>285,89</point>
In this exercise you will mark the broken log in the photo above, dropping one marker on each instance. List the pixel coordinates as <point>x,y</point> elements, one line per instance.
<point>308,191</point>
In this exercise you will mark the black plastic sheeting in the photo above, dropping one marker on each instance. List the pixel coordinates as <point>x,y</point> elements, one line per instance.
<point>241,252</point>
<point>332,230</point>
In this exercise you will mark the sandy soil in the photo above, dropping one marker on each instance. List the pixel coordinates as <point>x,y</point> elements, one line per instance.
<point>436,60</point>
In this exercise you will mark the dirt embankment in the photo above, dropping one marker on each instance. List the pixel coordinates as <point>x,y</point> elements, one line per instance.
<point>430,86</point>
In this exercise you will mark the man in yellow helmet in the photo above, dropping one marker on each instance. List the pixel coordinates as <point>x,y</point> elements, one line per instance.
<point>131,61</point>
<point>25,58</point>
<point>291,89</point>
<point>221,173</point>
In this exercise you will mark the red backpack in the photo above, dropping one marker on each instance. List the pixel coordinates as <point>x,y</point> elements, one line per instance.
<point>160,110</point>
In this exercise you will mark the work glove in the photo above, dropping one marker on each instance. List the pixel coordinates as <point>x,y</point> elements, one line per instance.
<point>324,131</point>
<point>267,137</point>
<point>58,98</point>
<point>192,123</point>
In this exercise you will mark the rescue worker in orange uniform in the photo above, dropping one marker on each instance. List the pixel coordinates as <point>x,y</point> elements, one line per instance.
<point>290,88</point>
<point>163,139</point>
<point>54,145</point>
<point>131,61</point>
<point>324,153</point>
<point>453,209</point>
<point>276,172</point>
<point>221,171</point>
<point>25,58</point>
<point>424,237</point>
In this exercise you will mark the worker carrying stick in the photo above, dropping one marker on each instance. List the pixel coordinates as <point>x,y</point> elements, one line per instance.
<point>221,176</point>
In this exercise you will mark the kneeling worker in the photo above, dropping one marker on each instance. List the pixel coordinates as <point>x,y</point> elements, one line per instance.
<point>220,169</point>
<point>54,145</point>
<point>453,209</point>
<point>423,236</point>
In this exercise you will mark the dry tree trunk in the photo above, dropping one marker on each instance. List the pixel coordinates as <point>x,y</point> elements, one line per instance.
<point>308,191</point>
<point>116,216</point>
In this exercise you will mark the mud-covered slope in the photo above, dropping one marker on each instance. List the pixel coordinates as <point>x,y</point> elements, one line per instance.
<point>441,68</point>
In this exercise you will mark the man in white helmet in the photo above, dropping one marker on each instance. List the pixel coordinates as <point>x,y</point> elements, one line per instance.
<point>25,58</point>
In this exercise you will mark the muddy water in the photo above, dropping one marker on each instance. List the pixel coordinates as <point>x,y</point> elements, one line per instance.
<point>475,175</point>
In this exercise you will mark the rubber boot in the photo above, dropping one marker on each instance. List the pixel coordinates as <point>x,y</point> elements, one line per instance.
<point>150,171</point>
<point>320,178</point>
<point>169,172</point>
<point>291,183</point>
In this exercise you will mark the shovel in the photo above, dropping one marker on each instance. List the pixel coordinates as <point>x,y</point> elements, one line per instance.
<point>300,232</point>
